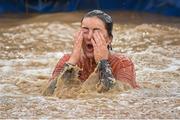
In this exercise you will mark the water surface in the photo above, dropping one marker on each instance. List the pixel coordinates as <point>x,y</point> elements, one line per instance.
<point>30,47</point>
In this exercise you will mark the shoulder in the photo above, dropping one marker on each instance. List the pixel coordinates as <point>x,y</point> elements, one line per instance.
<point>120,59</point>
<point>60,65</point>
<point>64,59</point>
<point>66,56</point>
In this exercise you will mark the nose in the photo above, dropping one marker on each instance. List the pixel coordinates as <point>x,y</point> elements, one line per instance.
<point>90,34</point>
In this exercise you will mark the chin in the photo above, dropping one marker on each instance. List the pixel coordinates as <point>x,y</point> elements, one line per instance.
<point>89,55</point>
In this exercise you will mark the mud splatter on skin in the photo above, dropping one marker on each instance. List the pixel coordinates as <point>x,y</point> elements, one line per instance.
<point>67,84</point>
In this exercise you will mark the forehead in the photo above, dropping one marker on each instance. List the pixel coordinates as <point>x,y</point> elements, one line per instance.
<point>92,22</point>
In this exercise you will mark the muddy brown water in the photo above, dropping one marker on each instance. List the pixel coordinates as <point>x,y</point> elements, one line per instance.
<point>31,46</point>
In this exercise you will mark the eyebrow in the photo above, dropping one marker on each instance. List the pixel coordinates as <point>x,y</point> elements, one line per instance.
<point>93,28</point>
<point>85,27</point>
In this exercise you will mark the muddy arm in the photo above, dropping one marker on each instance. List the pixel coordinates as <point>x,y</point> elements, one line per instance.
<point>67,74</point>
<point>106,78</point>
<point>49,90</point>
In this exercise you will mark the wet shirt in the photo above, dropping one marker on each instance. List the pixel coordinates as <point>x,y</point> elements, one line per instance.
<point>122,68</point>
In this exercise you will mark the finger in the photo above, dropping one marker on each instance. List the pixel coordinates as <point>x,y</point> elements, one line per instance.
<point>104,41</point>
<point>95,47</point>
<point>97,39</point>
<point>94,43</point>
<point>80,39</point>
<point>77,33</point>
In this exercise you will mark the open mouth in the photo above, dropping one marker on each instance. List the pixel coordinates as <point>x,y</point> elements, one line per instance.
<point>89,47</point>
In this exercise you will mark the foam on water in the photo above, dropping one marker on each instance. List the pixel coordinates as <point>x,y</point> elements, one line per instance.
<point>173,66</point>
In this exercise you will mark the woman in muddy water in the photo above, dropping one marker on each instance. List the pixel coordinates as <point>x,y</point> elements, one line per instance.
<point>91,58</point>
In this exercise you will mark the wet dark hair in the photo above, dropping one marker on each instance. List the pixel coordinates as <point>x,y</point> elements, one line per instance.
<point>107,19</point>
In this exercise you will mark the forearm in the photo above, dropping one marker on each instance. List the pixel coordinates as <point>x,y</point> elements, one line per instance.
<point>107,79</point>
<point>67,73</point>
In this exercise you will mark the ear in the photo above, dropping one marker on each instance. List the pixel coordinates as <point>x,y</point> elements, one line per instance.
<point>109,40</point>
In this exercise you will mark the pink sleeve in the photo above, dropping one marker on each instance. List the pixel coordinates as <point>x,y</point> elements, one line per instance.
<point>127,75</point>
<point>125,72</point>
<point>59,66</point>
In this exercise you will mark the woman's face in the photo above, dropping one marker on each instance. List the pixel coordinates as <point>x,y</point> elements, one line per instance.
<point>89,25</point>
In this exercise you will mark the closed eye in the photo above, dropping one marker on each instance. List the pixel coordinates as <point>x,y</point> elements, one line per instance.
<point>85,29</point>
<point>96,29</point>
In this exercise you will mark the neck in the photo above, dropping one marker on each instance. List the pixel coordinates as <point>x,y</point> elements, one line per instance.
<point>90,63</point>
